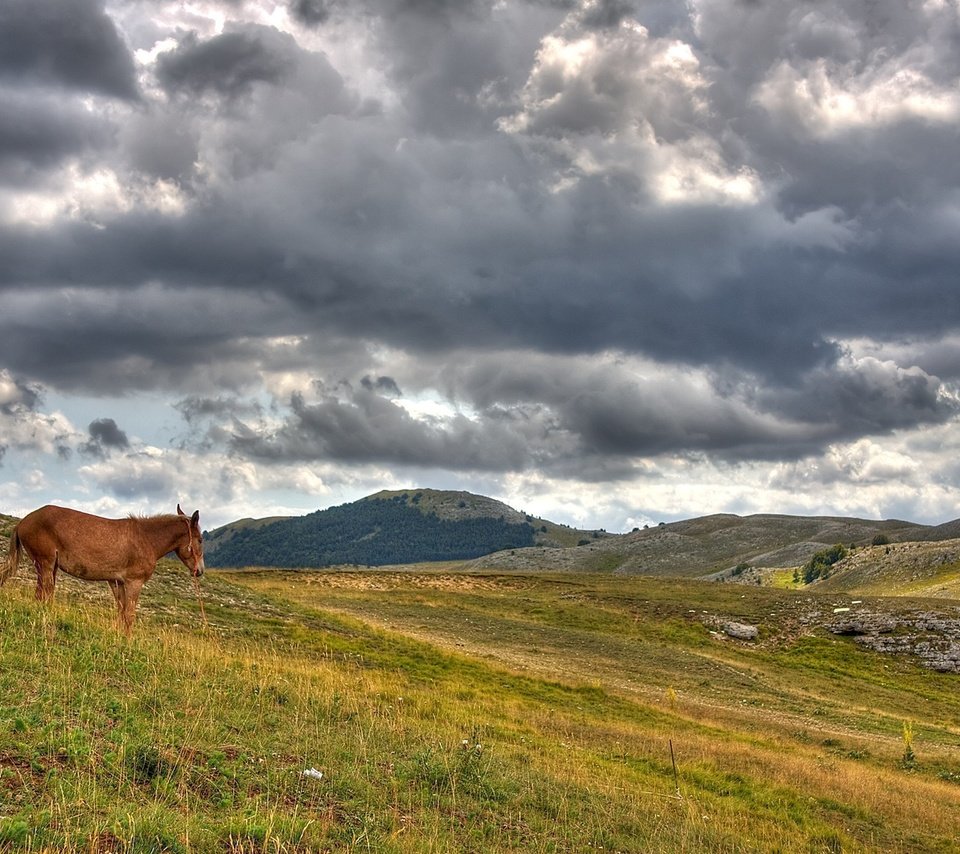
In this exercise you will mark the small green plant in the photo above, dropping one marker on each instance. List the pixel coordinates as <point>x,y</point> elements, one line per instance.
<point>909,757</point>
<point>671,697</point>
<point>13,831</point>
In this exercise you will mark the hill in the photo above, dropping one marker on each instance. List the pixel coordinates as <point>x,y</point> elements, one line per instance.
<point>390,527</point>
<point>414,526</point>
<point>946,531</point>
<point>370,533</point>
<point>707,546</point>
<point>929,569</point>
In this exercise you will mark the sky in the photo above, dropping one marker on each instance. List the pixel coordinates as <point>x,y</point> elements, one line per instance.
<point>614,262</point>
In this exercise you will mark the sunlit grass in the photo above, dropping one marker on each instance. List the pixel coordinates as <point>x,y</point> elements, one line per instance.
<point>457,713</point>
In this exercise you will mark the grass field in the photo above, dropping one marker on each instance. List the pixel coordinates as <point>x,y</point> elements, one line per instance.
<point>442,711</point>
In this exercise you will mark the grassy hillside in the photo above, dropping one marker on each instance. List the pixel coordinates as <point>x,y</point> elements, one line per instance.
<point>450,712</point>
<point>900,569</point>
<point>707,545</point>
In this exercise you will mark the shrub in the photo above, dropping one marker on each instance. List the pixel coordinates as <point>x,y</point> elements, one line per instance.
<point>820,564</point>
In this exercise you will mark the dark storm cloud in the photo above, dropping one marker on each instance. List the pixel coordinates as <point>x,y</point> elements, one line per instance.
<point>230,63</point>
<point>387,385</point>
<point>39,132</point>
<point>127,343</point>
<point>866,397</point>
<point>544,178</point>
<point>105,432</point>
<point>592,420</point>
<point>71,44</point>
<point>312,12</point>
<point>105,436</point>
<point>360,426</point>
<point>196,408</point>
<point>607,13</point>
<point>161,144</point>
<point>616,411</point>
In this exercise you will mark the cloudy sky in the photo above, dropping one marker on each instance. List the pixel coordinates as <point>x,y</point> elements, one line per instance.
<point>611,261</point>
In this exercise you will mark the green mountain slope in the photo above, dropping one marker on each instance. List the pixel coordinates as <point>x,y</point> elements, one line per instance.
<point>389,527</point>
<point>372,532</point>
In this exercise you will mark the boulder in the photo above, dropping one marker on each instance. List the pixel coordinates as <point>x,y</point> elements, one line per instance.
<point>741,631</point>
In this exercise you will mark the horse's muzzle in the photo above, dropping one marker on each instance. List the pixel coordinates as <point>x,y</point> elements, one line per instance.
<point>198,570</point>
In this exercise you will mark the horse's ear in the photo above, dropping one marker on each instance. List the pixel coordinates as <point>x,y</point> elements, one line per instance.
<point>195,519</point>
<point>179,511</point>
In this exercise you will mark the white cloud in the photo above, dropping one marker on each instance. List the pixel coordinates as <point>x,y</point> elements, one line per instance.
<point>91,196</point>
<point>827,100</point>
<point>620,101</point>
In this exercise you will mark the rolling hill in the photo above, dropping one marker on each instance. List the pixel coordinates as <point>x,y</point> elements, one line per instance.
<point>707,546</point>
<point>409,526</point>
<point>921,569</point>
<point>420,525</point>
<point>427,525</point>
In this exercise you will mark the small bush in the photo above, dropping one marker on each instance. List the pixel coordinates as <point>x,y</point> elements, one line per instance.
<point>821,563</point>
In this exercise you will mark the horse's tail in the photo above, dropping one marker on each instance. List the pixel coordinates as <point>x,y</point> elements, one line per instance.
<point>13,557</point>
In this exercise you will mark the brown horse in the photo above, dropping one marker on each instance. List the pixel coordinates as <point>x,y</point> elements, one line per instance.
<point>122,552</point>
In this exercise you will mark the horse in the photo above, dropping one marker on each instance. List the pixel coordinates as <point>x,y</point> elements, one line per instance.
<point>122,552</point>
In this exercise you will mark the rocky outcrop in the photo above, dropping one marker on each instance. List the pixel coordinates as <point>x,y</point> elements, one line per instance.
<point>933,638</point>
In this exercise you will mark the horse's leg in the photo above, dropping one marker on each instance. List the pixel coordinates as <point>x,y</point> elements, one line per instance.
<point>131,596</point>
<point>116,588</point>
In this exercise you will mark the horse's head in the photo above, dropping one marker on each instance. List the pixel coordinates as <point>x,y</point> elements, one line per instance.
<point>190,551</point>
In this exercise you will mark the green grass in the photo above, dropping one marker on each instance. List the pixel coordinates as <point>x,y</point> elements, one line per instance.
<point>453,712</point>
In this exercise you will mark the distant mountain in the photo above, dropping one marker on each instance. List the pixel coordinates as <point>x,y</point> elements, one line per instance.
<point>708,546</point>
<point>946,531</point>
<point>390,527</point>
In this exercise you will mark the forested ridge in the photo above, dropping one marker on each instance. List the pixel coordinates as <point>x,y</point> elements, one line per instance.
<point>373,532</point>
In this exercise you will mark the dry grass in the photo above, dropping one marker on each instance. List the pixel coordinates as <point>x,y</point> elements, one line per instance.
<point>460,713</point>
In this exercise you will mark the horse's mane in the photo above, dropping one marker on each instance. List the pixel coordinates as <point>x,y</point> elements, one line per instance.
<point>155,517</point>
